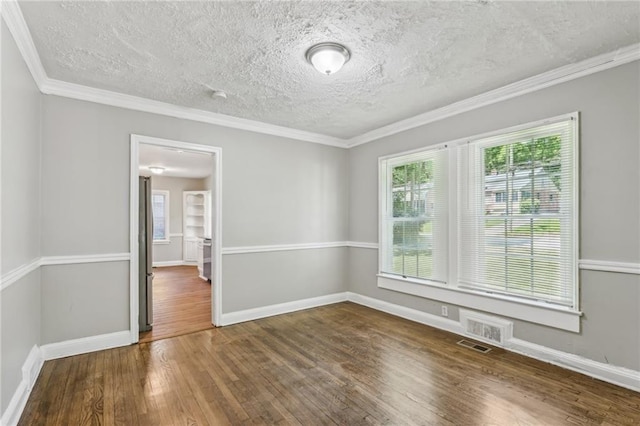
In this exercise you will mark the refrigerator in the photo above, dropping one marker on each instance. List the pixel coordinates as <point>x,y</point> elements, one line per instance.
<point>145,245</point>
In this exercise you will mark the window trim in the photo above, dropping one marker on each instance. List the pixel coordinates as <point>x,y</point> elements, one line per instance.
<point>539,312</point>
<point>167,203</point>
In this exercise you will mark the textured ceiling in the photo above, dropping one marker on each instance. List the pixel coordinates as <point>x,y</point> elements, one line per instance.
<point>407,57</point>
<point>176,163</point>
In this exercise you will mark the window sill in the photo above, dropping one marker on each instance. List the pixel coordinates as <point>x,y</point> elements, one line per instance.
<point>531,311</point>
<point>161,242</point>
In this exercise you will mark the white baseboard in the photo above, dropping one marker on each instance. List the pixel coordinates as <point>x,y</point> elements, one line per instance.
<point>620,376</point>
<point>86,345</point>
<point>30,371</point>
<point>169,263</point>
<point>281,308</point>
<point>407,313</point>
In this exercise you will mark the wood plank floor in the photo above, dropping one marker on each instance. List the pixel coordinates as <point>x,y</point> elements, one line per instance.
<point>181,303</point>
<point>340,364</point>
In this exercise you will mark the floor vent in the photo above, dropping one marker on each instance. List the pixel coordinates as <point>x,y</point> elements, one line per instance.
<point>473,345</point>
<point>493,330</point>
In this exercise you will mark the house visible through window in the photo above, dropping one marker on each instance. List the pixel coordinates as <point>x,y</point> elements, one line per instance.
<point>502,223</point>
<point>522,247</point>
<point>160,208</point>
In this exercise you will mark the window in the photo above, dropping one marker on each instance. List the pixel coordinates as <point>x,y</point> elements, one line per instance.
<point>528,248</point>
<point>414,224</point>
<point>488,223</point>
<point>160,208</point>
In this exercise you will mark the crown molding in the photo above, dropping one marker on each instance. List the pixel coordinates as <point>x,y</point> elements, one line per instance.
<point>541,81</point>
<point>12,16</point>
<point>106,97</point>
<point>15,21</point>
<point>20,31</point>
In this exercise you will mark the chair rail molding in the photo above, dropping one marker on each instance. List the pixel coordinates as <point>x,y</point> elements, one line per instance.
<point>18,273</point>
<point>609,266</point>
<point>283,247</point>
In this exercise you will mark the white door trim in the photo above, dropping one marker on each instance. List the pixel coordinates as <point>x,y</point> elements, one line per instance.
<point>216,243</point>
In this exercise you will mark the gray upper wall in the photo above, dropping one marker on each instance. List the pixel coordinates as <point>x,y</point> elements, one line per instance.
<point>275,190</point>
<point>21,102</point>
<point>609,106</point>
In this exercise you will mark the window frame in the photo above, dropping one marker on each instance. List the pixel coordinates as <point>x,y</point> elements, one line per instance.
<point>167,205</point>
<point>387,164</point>
<point>536,311</point>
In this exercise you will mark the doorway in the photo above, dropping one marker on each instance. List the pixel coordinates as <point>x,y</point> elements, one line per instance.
<point>183,262</point>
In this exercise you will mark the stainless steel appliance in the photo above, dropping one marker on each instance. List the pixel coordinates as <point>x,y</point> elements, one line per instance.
<point>206,262</point>
<point>145,262</point>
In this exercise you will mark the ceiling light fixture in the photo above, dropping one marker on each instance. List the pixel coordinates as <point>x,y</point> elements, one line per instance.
<point>218,94</point>
<point>328,58</point>
<point>156,170</point>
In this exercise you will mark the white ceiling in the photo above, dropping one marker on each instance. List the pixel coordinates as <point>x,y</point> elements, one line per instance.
<point>407,58</point>
<point>177,163</point>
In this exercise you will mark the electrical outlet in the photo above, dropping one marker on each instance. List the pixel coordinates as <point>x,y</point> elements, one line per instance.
<point>445,311</point>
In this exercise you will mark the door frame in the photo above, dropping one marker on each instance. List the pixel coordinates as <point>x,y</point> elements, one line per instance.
<point>216,225</point>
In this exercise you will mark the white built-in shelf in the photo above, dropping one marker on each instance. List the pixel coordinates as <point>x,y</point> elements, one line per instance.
<point>196,221</point>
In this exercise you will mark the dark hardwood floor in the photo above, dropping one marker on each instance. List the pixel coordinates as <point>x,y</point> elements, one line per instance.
<point>181,303</point>
<point>339,364</point>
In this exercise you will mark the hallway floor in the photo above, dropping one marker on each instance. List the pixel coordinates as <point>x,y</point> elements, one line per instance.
<point>181,303</point>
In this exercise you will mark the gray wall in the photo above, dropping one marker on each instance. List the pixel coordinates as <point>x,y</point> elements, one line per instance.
<point>275,191</point>
<point>20,215</point>
<point>175,186</point>
<point>84,300</point>
<point>609,104</point>
<point>299,274</point>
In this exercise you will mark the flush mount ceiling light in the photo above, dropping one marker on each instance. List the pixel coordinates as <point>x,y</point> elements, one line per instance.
<point>218,94</point>
<point>156,170</point>
<point>328,58</point>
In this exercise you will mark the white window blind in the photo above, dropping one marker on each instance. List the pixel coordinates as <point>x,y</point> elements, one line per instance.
<point>517,222</point>
<point>414,215</point>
